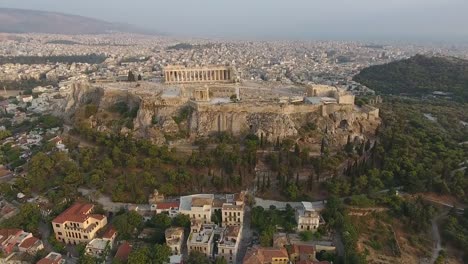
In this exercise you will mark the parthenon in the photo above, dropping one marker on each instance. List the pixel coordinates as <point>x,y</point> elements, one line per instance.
<point>181,74</point>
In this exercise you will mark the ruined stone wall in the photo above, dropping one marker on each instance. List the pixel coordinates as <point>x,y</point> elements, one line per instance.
<point>257,108</point>
<point>332,108</point>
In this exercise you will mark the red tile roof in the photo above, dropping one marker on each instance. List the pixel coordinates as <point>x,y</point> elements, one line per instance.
<point>97,216</point>
<point>52,258</point>
<point>123,252</point>
<point>28,242</point>
<point>302,249</point>
<point>76,213</point>
<point>167,205</point>
<point>47,261</point>
<point>260,255</point>
<point>110,232</point>
<point>5,233</point>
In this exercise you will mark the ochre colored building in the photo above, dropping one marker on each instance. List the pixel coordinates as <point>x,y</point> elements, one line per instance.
<point>78,224</point>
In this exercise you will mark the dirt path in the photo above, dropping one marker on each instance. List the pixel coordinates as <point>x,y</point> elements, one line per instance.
<point>436,237</point>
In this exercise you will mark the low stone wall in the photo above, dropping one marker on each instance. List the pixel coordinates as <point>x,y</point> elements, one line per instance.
<point>274,108</point>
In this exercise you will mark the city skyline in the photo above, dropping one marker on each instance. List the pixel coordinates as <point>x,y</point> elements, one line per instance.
<point>433,20</point>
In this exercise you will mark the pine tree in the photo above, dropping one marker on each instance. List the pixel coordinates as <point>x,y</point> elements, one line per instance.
<point>322,147</point>
<point>131,76</point>
<point>297,150</point>
<point>263,182</point>
<point>368,145</point>
<point>139,77</point>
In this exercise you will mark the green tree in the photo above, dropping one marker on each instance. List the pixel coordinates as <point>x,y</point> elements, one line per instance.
<point>131,77</point>
<point>292,191</point>
<point>162,221</point>
<point>160,254</point>
<point>196,257</point>
<point>4,134</point>
<point>127,223</point>
<point>140,256</point>
<point>306,235</point>
<point>181,220</point>
<point>220,260</point>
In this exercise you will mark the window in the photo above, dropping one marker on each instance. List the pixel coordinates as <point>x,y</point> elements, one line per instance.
<point>85,237</point>
<point>59,233</point>
<point>57,225</point>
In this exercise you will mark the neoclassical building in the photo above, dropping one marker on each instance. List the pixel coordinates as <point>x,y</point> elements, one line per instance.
<point>78,224</point>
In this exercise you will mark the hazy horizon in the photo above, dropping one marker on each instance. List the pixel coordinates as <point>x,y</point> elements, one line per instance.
<point>412,20</point>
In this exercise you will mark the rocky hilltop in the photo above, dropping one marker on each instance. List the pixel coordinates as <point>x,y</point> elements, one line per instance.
<point>146,112</point>
<point>419,75</point>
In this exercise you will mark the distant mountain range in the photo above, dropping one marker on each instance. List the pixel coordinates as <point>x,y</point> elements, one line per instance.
<point>32,21</point>
<point>419,75</point>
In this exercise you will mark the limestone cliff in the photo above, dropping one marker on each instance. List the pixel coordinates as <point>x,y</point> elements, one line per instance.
<point>160,121</point>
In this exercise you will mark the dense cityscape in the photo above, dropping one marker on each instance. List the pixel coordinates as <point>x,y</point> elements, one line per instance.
<point>131,148</point>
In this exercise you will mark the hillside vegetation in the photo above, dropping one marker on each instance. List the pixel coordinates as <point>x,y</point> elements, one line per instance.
<point>419,75</point>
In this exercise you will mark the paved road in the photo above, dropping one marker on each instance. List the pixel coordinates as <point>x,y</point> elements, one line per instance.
<point>44,230</point>
<point>246,236</point>
<point>107,202</point>
<point>318,205</point>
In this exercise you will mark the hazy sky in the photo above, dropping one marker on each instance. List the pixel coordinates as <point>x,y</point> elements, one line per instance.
<point>280,19</point>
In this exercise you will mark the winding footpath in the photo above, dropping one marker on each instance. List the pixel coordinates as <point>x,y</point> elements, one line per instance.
<point>436,237</point>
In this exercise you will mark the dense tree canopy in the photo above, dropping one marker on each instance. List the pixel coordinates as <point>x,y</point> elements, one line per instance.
<point>419,75</point>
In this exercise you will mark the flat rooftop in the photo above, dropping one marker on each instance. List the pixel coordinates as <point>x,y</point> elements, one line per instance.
<point>186,201</point>
<point>97,243</point>
<point>204,236</point>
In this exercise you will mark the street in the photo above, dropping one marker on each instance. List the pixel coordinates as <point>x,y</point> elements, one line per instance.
<point>246,236</point>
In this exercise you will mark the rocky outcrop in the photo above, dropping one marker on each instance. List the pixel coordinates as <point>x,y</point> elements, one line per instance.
<point>71,98</point>
<point>157,121</point>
